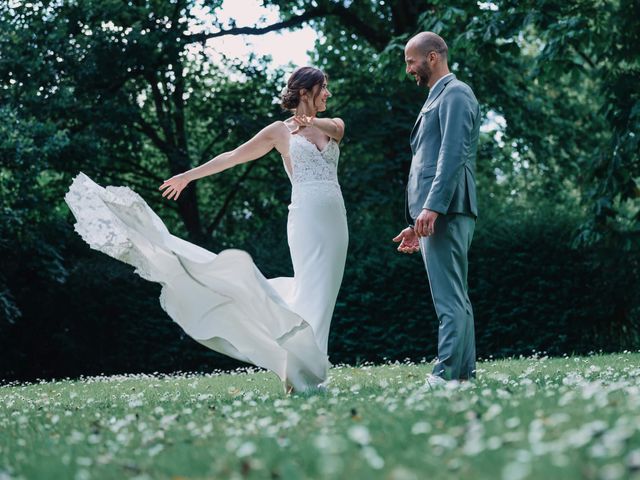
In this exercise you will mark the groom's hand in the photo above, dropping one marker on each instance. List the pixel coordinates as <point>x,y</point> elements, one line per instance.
<point>426,223</point>
<point>408,239</point>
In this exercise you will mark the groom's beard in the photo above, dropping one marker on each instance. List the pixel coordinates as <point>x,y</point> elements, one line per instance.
<point>423,74</point>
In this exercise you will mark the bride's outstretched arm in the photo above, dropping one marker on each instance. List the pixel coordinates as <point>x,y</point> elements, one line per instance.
<point>261,144</point>
<point>332,127</point>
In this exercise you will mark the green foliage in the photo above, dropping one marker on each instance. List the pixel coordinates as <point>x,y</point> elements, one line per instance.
<point>531,290</point>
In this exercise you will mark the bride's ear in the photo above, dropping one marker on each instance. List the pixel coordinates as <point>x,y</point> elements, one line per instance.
<point>303,92</point>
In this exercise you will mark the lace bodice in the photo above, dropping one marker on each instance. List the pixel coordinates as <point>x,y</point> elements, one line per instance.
<point>310,164</point>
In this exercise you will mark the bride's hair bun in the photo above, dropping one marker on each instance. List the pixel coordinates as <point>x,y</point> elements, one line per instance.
<point>289,99</point>
<point>302,78</point>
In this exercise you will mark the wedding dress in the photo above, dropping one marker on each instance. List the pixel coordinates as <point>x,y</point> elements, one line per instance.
<point>223,301</point>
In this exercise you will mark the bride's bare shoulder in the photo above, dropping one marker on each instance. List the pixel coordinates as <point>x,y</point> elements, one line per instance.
<point>279,133</point>
<point>279,127</point>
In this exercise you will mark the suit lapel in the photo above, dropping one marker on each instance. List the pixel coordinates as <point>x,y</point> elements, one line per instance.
<point>433,96</point>
<point>436,92</point>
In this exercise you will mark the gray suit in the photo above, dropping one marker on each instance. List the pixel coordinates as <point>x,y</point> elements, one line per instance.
<point>444,142</point>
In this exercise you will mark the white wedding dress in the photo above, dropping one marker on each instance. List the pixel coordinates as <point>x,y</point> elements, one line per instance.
<point>223,301</point>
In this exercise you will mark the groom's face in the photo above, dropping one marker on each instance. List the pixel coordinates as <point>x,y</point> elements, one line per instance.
<point>417,65</point>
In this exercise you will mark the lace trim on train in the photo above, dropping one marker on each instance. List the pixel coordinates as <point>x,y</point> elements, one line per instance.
<point>99,227</point>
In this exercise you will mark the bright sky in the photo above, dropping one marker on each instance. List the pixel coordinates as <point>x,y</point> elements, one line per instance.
<point>285,47</point>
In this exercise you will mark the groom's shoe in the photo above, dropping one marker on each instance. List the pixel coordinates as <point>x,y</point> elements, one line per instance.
<point>434,381</point>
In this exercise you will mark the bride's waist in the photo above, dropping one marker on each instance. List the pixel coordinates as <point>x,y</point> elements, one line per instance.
<point>311,183</point>
<point>315,190</point>
<point>329,186</point>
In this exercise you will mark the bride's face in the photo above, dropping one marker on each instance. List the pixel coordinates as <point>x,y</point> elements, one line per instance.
<point>317,98</point>
<point>321,96</point>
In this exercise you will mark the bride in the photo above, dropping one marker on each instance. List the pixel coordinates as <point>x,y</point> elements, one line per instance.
<point>223,301</point>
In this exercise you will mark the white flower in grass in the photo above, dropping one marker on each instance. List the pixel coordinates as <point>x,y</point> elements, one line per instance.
<point>104,458</point>
<point>500,377</point>
<point>445,441</point>
<point>359,434</point>
<point>264,422</point>
<point>494,443</point>
<point>207,429</point>
<point>155,450</point>
<point>536,431</point>
<point>633,459</point>
<point>420,428</point>
<point>572,379</point>
<point>82,475</point>
<point>374,460</point>
<point>167,420</point>
<point>582,436</point>
<point>493,411</point>
<point>136,402</point>
<point>516,471</point>
<point>474,439</point>
<point>123,438</point>
<point>558,418</point>
<point>329,444</point>
<point>512,422</point>
<point>523,456</point>
<point>76,437</point>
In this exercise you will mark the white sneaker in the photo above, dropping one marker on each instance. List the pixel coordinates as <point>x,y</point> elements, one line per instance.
<point>434,381</point>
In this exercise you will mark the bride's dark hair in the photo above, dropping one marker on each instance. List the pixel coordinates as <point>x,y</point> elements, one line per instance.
<point>302,78</point>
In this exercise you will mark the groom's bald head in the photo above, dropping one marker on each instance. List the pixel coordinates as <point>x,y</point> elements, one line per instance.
<point>425,42</point>
<point>426,58</point>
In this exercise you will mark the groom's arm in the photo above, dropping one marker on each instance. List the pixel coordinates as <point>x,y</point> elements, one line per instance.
<point>456,114</point>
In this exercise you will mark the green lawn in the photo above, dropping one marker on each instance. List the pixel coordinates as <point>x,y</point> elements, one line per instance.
<point>564,418</point>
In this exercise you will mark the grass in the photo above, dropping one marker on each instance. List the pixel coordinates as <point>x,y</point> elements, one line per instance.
<point>540,418</point>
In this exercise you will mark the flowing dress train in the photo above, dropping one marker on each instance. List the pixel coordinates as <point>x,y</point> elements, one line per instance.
<point>222,300</point>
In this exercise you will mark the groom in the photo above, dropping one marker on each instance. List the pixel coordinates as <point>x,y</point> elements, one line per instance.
<point>441,199</point>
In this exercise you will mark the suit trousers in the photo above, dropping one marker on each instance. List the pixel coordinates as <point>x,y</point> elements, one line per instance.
<point>445,258</point>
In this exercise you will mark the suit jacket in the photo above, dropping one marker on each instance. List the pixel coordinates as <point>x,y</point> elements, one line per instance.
<point>444,142</point>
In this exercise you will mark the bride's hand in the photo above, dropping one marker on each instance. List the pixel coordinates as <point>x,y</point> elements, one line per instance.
<point>302,121</point>
<point>174,186</point>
